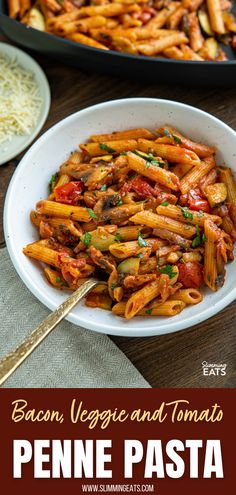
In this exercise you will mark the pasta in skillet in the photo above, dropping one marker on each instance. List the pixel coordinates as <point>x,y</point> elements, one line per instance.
<point>149,212</point>
<point>181,30</point>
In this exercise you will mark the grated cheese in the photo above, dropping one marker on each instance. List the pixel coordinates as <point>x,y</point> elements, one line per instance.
<point>20,100</point>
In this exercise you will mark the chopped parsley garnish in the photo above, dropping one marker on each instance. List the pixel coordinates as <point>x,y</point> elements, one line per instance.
<point>141,241</point>
<point>176,139</point>
<point>124,153</point>
<point>155,163</point>
<point>186,213</point>
<point>168,270</point>
<point>94,193</point>
<point>204,238</point>
<point>113,285</point>
<point>165,203</point>
<point>117,237</point>
<point>148,311</point>
<point>104,147</point>
<point>147,164</point>
<point>58,280</point>
<point>53,181</point>
<point>91,213</point>
<point>120,202</point>
<point>103,187</point>
<point>198,239</point>
<point>87,239</point>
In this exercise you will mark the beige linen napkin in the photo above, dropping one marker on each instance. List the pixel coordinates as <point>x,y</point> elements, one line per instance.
<point>70,357</point>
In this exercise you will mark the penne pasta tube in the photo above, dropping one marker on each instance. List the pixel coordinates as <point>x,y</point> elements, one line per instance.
<point>14,8</point>
<point>176,17</point>
<point>141,298</point>
<point>160,19</point>
<point>193,177</point>
<point>106,10</point>
<point>226,176</point>
<point>168,308</point>
<point>127,249</point>
<point>163,222</point>
<point>216,16</point>
<point>174,154</point>
<point>212,278</point>
<point>183,214</point>
<point>83,25</point>
<point>173,52</point>
<point>53,208</point>
<point>181,169</point>
<point>153,172</point>
<point>96,149</point>
<point>123,135</point>
<point>131,232</point>
<point>189,54</point>
<point>42,253</point>
<point>202,150</point>
<point>188,296</point>
<point>195,36</point>
<point>86,40</point>
<point>157,46</point>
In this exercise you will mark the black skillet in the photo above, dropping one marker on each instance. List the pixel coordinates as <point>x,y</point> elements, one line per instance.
<point>147,69</point>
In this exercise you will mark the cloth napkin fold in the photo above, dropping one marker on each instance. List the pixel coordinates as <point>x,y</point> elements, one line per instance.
<point>70,357</point>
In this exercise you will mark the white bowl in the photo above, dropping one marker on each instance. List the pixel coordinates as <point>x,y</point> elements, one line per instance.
<point>30,181</point>
<point>17,144</point>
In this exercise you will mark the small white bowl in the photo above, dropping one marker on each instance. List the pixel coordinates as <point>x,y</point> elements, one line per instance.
<point>29,184</point>
<point>17,144</point>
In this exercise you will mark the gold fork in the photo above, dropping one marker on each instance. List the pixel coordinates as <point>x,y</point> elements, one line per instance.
<point>14,359</point>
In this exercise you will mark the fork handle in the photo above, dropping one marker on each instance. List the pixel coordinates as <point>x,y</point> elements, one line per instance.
<point>11,361</point>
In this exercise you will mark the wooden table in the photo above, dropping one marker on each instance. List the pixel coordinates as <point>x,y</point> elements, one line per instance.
<point>170,360</point>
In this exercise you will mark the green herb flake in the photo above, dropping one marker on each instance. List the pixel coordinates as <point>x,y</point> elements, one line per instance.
<point>124,153</point>
<point>140,255</point>
<point>165,203</point>
<point>141,241</point>
<point>103,187</point>
<point>204,238</point>
<point>167,133</point>
<point>113,285</point>
<point>168,270</point>
<point>198,239</point>
<point>58,280</point>
<point>147,164</point>
<point>120,202</point>
<point>117,237</point>
<point>87,239</point>
<point>148,311</point>
<point>104,147</point>
<point>186,213</point>
<point>176,139</point>
<point>53,181</point>
<point>94,193</point>
<point>91,213</point>
<point>155,163</point>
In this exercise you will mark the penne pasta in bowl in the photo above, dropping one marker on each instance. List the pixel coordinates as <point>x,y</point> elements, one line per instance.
<point>139,193</point>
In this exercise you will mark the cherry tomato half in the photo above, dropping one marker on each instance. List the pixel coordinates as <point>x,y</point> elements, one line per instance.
<point>196,202</point>
<point>190,274</point>
<point>69,193</point>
